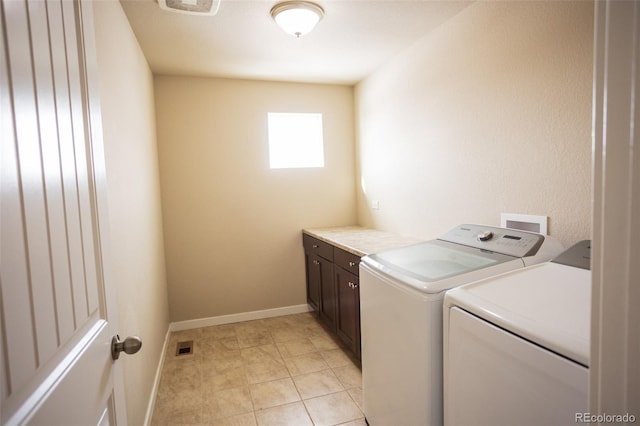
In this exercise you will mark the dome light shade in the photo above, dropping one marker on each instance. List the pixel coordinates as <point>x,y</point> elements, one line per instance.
<point>297,17</point>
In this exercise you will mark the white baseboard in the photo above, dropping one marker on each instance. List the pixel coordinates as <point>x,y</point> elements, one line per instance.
<point>156,381</point>
<point>245,316</point>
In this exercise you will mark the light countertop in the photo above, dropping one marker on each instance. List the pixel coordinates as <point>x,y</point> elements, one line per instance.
<point>360,241</point>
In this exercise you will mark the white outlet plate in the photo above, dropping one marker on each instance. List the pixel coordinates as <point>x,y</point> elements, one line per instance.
<point>524,222</point>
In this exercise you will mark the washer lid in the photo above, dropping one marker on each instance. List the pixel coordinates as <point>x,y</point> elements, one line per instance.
<point>548,304</point>
<point>435,260</point>
<point>435,266</point>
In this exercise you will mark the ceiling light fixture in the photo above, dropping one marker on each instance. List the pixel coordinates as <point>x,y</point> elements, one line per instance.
<point>297,17</point>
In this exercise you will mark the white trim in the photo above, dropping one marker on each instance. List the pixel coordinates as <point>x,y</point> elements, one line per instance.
<point>245,316</point>
<point>615,341</point>
<point>156,381</point>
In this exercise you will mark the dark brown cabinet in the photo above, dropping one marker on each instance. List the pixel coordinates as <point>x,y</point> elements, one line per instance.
<point>321,292</point>
<point>348,323</point>
<point>314,280</point>
<point>333,289</point>
<point>348,290</point>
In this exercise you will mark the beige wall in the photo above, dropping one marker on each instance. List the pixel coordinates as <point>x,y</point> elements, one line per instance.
<point>490,113</point>
<point>135,220</point>
<point>232,225</point>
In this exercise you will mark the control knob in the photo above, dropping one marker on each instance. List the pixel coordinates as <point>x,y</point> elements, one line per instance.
<point>485,236</point>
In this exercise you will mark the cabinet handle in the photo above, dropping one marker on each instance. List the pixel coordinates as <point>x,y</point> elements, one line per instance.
<point>352,285</point>
<point>352,264</point>
<point>315,246</point>
<point>315,262</point>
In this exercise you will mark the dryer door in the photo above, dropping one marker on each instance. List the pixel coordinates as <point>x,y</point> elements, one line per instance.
<point>493,377</point>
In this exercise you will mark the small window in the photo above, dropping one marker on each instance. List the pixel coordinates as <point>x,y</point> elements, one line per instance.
<point>295,140</point>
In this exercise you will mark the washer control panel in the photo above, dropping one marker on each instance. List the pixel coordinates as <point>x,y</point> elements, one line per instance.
<point>511,242</point>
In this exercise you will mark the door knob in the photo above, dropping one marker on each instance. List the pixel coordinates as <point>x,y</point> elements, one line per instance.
<point>130,345</point>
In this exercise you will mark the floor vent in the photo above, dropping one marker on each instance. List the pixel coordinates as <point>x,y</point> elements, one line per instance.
<point>184,348</point>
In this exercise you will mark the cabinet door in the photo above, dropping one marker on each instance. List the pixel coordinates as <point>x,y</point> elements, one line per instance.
<point>328,300</point>
<point>348,309</point>
<point>314,277</point>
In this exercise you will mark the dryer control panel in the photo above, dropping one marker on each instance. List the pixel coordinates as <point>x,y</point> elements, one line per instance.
<point>511,242</point>
<point>578,255</point>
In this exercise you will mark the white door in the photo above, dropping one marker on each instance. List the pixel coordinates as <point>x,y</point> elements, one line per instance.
<point>56,310</point>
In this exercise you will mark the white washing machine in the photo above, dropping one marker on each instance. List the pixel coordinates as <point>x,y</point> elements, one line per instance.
<point>516,346</point>
<point>401,295</point>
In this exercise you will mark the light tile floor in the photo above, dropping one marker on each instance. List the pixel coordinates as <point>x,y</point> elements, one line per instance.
<point>286,370</point>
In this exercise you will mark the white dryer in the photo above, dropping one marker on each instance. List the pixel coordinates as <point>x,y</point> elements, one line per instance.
<point>401,294</point>
<point>516,346</point>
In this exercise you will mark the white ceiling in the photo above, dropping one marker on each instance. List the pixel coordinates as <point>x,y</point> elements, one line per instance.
<point>242,40</point>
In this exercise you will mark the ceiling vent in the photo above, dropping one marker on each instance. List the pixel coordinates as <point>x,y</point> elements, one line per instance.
<point>191,7</point>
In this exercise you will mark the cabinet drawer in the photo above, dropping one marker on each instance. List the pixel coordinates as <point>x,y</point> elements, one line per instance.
<point>316,246</point>
<point>347,261</point>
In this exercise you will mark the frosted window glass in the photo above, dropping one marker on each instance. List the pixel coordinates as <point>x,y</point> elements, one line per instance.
<point>295,140</point>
